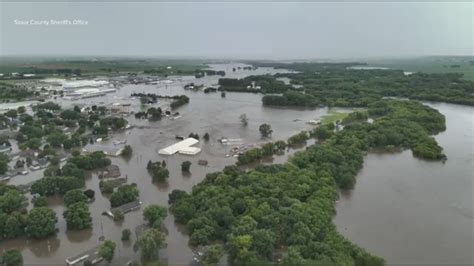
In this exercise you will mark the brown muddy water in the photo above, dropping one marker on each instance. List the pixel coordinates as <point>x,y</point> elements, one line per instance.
<point>411,211</point>
<point>405,210</point>
<point>205,113</point>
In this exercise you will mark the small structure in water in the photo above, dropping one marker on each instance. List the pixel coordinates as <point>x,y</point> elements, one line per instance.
<point>203,162</point>
<point>91,255</point>
<point>127,207</point>
<point>112,171</point>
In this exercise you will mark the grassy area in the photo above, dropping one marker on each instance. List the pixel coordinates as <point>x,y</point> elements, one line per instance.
<point>431,64</point>
<point>333,116</point>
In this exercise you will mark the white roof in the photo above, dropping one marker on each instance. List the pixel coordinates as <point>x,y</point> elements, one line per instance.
<point>189,150</point>
<point>184,144</point>
<point>84,83</point>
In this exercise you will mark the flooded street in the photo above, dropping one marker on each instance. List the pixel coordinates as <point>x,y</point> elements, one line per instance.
<point>205,113</point>
<point>411,211</point>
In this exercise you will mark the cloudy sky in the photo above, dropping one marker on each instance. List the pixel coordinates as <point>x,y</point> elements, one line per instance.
<point>239,29</point>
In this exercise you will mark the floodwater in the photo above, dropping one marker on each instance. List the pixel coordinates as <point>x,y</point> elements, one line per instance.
<point>411,211</point>
<point>405,210</point>
<point>205,113</point>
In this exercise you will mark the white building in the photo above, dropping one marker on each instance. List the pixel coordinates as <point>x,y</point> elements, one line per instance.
<point>183,147</point>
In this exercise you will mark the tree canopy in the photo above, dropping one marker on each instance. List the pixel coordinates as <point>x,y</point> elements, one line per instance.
<point>41,222</point>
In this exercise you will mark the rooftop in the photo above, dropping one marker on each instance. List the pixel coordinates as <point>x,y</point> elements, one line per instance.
<point>90,255</point>
<point>127,207</point>
<point>183,145</point>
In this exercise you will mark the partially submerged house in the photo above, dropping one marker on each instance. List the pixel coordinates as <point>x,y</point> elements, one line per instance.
<point>127,207</point>
<point>91,255</point>
<point>107,150</point>
<point>112,171</point>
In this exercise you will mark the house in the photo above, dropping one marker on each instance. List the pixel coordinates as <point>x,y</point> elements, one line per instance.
<point>43,163</point>
<point>91,255</point>
<point>4,178</point>
<point>112,171</point>
<point>107,150</point>
<point>62,157</point>
<point>5,148</point>
<point>35,166</point>
<point>127,207</point>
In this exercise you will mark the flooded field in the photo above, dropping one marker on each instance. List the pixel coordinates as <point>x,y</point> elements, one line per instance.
<point>414,212</point>
<point>205,113</point>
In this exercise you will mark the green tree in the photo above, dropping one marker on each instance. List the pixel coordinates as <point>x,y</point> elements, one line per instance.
<point>34,143</point>
<point>118,215</point>
<point>11,113</point>
<point>77,216</point>
<point>12,257</point>
<point>127,151</point>
<point>89,193</point>
<point>126,234</point>
<point>155,215</point>
<point>74,196</point>
<point>263,242</point>
<point>21,109</point>
<point>56,139</point>
<point>292,257</point>
<point>41,222</point>
<point>265,130</point>
<point>107,250</point>
<point>149,243</point>
<point>185,166</point>
<point>40,201</point>
<point>212,255</point>
<point>124,194</point>
<point>239,249</point>
<point>244,120</point>
<point>11,199</point>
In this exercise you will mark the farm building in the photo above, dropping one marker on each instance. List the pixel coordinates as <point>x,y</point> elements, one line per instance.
<point>183,147</point>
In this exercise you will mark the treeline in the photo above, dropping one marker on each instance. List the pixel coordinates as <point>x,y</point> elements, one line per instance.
<point>397,125</point>
<point>10,93</point>
<point>291,98</point>
<point>338,86</point>
<point>270,148</point>
<point>258,153</point>
<point>178,100</point>
<point>202,73</point>
<point>258,211</point>
<point>263,84</point>
<point>309,67</point>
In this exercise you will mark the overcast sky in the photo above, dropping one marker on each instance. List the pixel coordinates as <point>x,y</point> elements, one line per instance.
<point>240,30</point>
